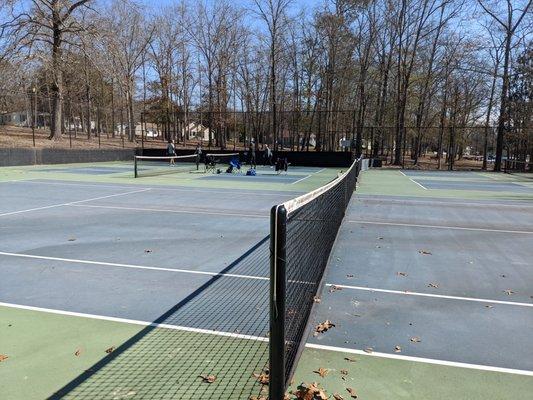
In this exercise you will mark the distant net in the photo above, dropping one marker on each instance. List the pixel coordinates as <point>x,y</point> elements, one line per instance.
<point>154,165</point>
<point>303,231</point>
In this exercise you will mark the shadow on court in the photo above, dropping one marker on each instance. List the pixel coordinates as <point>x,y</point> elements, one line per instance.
<point>220,329</point>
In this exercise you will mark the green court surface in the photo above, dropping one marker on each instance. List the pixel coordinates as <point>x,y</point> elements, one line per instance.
<point>381,378</point>
<point>48,352</point>
<point>122,173</point>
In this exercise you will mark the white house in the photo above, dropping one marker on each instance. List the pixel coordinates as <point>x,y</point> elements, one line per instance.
<point>195,130</point>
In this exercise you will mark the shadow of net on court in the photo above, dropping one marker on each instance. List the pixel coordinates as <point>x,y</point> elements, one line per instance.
<point>219,332</point>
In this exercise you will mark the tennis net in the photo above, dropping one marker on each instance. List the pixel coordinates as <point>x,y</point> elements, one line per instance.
<point>302,234</point>
<point>154,165</point>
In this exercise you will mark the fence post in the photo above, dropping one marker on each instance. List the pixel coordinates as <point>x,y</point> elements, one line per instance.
<point>278,236</point>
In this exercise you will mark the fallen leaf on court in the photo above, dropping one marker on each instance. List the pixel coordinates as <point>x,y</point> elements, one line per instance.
<point>263,378</point>
<point>489,306</point>
<point>208,378</point>
<point>317,299</point>
<point>344,371</point>
<point>368,350</point>
<point>508,292</point>
<point>322,372</point>
<point>77,353</point>
<point>353,393</point>
<point>147,251</point>
<point>424,252</point>
<point>380,238</point>
<point>334,288</point>
<point>349,276</point>
<point>72,239</point>
<point>337,396</point>
<point>415,339</point>
<point>401,273</point>
<point>350,359</point>
<point>397,349</point>
<point>3,357</point>
<point>110,350</point>
<point>311,391</point>
<point>324,326</point>
<point>433,285</point>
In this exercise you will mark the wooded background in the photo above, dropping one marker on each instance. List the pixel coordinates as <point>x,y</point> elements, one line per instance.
<point>401,78</point>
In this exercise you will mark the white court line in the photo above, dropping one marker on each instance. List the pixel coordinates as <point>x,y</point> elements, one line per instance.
<point>265,340</point>
<point>439,227</point>
<point>173,211</point>
<point>421,360</point>
<point>412,180</point>
<point>431,202</point>
<point>302,179</point>
<point>251,277</point>
<point>72,202</point>
<point>135,322</point>
<point>133,266</point>
<point>163,188</point>
<point>438,296</point>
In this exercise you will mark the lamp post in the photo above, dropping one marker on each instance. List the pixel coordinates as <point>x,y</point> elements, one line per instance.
<point>34,116</point>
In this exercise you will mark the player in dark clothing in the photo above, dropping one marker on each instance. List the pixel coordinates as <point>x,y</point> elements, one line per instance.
<point>251,155</point>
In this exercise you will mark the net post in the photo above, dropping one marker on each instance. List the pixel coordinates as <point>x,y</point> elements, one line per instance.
<point>135,166</point>
<point>278,240</point>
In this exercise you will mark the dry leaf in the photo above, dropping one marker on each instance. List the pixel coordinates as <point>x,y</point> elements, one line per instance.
<point>352,392</point>
<point>77,353</point>
<point>324,326</point>
<point>334,288</point>
<point>401,273</point>
<point>208,378</point>
<point>110,350</point>
<point>344,371</point>
<point>263,378</point>
<point>349,276</point>
<point>322,372</point>
<point>72,239</point>
<point>257,398</point>
<point>415,339</point>
<point>433,285</point>
<point>508,292</point>
<point>424,252</point>
<point>397,349</point>
<point>147,251</point>
<point>350,359</point>
<point>3,357</point>
<point>368,350</point>
<point>311,391</point>
<point>489,306</point>
<point>337,396</point>
<point>316,299</point>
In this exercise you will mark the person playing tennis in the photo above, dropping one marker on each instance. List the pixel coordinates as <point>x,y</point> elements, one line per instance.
<point>171,151</point>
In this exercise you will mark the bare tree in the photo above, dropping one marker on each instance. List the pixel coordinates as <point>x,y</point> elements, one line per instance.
<point>510,23</point>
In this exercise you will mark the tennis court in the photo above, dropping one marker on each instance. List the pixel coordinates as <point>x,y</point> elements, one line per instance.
<point>114,287</point>
<point>140,288</point>
<point>430,291</point>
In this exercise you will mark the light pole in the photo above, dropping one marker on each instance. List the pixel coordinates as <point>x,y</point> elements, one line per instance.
<point>34,116</point>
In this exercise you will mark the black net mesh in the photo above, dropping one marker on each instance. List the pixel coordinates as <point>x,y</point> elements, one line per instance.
<point>219,330</point>
<point>312,224</point>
